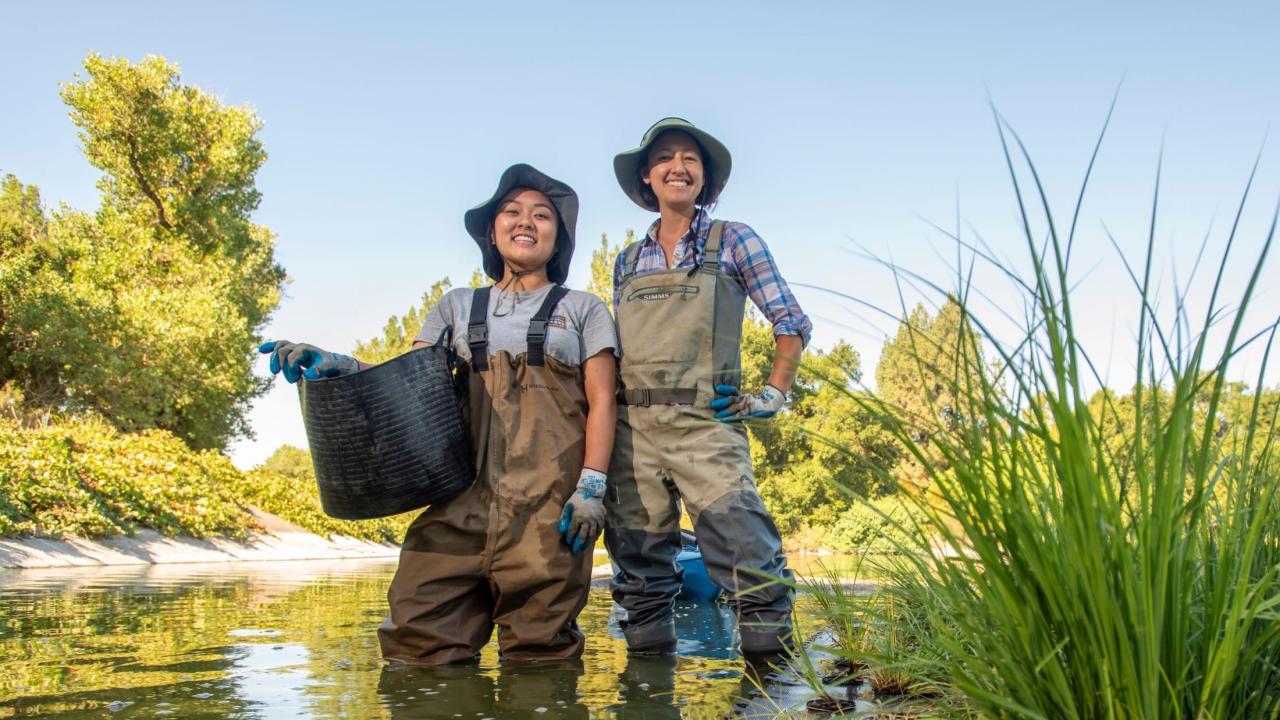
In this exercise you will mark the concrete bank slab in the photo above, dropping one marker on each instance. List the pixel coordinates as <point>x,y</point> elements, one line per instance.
<point>149,547</point>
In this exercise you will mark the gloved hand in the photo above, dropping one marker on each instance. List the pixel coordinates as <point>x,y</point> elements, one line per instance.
<point>734,406</point>
<point>299,360</point>
<point>583,516</point>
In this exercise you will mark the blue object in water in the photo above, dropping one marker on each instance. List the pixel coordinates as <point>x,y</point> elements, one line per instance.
<point>697,584</point>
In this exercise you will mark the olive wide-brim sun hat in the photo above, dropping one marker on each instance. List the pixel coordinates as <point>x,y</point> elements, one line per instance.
<point>715,156</point>
<point>479,219</point>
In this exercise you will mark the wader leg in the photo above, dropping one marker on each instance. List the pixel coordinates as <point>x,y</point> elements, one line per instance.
<point>740,543</point>
<point>435,620</point>
<point>441,605</point>
<point>541,587</point>
<point>643,534</point>
<point>742,551</point>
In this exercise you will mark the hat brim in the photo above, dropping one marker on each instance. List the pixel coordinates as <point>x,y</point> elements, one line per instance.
<point>479,219</point>
<point>627,165</point>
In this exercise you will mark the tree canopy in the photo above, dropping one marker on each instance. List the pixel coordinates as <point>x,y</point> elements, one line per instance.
<point>400,330</point>
<point>147,310</point>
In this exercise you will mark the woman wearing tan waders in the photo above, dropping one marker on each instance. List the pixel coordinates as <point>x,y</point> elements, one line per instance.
<point>679,297</point>
<point>513,550</point>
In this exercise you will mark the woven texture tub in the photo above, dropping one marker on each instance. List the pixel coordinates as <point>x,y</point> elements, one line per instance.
<point>388,439</point>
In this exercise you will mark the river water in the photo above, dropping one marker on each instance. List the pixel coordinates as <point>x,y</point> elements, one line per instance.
<point>297,639</point>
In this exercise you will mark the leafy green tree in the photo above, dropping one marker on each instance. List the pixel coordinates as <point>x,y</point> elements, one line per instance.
<point>23,229</point>
<point>147,311</point>
<point>399,332</point>
<point>925,375</point>
<point>178,161</point>
<point>809,460</point>
<point>1235,431</point>
<point>602,260</point>
<point>290,461</point>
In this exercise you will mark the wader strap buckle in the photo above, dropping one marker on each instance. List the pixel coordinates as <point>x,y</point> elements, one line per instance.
<point>478,329</point>
<point>537,338</point>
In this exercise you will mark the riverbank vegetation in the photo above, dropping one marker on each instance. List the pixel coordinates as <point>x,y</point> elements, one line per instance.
<point>127,333</point>
<point>1112,556</point>
<point>82,477</point>
<point>143,312</point>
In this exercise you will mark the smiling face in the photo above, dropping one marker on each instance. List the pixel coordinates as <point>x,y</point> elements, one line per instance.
<point>674,170</point>
<point>524,229</point>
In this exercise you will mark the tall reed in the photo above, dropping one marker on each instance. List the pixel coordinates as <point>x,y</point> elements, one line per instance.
<point>1099,569</point>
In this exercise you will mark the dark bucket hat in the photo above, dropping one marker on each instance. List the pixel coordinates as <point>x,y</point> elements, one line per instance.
<point>479,219</point>
<point>716,156</point>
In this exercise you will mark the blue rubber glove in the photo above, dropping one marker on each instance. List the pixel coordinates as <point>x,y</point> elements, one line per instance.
<point>298,360</point>
<point>583,516</point>
<point>734,406</point>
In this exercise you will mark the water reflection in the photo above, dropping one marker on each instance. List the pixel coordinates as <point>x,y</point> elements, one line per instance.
<point>647,688</point>
<point>270,640</point>
<point>519,690</point>
<point>272,676</point>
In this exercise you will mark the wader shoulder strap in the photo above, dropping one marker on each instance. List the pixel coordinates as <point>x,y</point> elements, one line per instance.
<point>711,251</point>
<point>538,326</point>
<point>630,258</point>
<point>478,329</point>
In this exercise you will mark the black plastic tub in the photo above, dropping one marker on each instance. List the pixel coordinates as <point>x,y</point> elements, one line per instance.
<point>388,439</point>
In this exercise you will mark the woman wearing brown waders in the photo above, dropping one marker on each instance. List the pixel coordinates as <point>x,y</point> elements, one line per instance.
<point>679,297</point>
<point>514,549</point>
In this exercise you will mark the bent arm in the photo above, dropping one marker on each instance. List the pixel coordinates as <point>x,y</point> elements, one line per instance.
<point>786,360</point>
<point>753,265</point>
<point>599,372</point>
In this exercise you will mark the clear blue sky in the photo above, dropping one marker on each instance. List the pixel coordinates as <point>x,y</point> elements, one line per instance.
<point>851,125</point>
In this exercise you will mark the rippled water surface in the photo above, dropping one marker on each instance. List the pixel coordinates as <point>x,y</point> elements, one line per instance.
<point>276,640</point>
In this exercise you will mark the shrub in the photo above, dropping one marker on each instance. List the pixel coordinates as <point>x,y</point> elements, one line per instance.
<point>877,527</point>
<point>285,485</point>
<point>84,478</point>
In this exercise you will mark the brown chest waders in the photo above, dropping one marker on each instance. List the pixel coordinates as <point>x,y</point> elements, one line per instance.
<point>680,331</point>
<point>493,554</point>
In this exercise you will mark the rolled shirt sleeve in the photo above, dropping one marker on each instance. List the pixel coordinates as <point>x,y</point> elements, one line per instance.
<point>754,267</point>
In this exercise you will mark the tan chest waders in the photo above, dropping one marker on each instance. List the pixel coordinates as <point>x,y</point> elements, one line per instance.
<point>493,554</point>
<point>680,331</point>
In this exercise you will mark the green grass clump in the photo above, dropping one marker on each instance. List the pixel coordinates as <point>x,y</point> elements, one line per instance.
<point>1092,558</point>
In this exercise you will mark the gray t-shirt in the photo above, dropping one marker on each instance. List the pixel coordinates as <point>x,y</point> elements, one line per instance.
<point>579,327</point>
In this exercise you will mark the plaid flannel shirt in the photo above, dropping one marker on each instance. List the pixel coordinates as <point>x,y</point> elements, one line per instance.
<point>743,257</point>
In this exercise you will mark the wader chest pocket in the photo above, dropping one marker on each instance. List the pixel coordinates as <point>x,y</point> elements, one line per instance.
<point>663,292</point>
